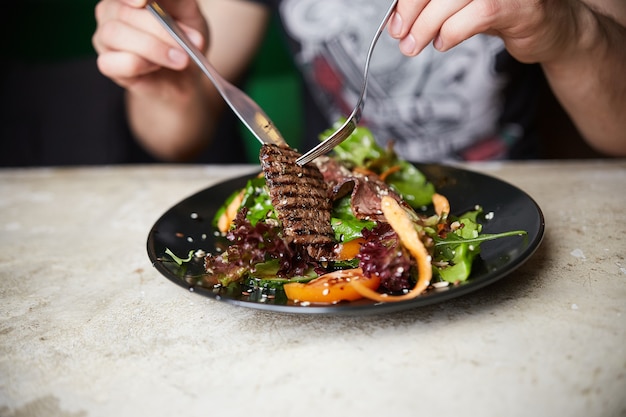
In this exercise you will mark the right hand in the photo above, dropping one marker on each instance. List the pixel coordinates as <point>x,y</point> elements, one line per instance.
<point>135,51</point>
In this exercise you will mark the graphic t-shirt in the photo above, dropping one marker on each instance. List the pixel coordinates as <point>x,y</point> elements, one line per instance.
<point>473,102</point>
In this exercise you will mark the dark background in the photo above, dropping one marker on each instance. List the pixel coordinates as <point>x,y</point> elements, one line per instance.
<point>57,109</point>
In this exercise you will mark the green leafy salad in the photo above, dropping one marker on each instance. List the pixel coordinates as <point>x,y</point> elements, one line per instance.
<point>395,237</point>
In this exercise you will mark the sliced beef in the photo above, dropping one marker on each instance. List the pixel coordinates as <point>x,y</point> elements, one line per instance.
<point>367,189</point>
<point>300,197</point>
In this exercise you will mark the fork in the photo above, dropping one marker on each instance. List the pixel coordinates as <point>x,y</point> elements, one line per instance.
<point>249,112</point>
<point>350,124</point>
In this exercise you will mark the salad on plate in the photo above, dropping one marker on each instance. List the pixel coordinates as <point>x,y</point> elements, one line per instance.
<point>361,223</point>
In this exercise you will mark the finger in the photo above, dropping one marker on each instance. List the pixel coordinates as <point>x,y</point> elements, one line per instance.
<point>123,67</point>
<point>428,24</point>
<point>116,36</point>
<point>403,17</point>
<point>186,11</point>
<point>109,11</point>
<point>477,17</point>
<point>136,3</point>
<point>142,19</point>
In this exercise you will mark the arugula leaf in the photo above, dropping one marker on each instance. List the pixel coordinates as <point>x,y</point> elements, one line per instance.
<point>258,201</point>
<point>460,247</point>
<point>461,260</point>
<point>178,260</point>
<point>361,150</point>
<point>344,223</point>
<point>256,198</point>
<point>481,238</point>
<point>412,185</point>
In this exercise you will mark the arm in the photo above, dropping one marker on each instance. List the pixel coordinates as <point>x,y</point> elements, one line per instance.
<point>590,80</point>
<point>172,107</point>
<point>579,45</point>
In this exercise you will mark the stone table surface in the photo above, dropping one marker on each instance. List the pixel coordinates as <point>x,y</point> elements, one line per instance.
<point>89,328</point>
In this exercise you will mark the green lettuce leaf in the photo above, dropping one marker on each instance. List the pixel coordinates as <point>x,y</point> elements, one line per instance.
<point>345,225</point>
<point>361,150</point>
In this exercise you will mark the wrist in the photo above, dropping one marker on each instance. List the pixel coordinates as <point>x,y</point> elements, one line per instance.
<point>586,42</point>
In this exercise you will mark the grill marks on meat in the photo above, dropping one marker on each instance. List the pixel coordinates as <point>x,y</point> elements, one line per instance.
<point>301,199</point>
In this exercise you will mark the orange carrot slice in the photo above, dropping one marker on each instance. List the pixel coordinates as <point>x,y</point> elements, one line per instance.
<point>349,250</point>
<point>223,223</point>
<point>331,288</point>
<point>441,204</point>
<point>390,171</point>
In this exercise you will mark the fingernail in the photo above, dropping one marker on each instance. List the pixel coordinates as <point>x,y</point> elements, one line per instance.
<point>195,38</point>
<point>137,3</point>
<point>395,27</point>
<point>438,43</point>
<point>407,45</point>
<point>176,56</point>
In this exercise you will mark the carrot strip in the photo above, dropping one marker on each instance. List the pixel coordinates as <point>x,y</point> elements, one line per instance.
<point>390,171</point>
<point>331,288</point>
<point>348,250</point>
<point>223,223</point>
<point>401,223</point>
<point>363,170</point>
<point>441,204</point>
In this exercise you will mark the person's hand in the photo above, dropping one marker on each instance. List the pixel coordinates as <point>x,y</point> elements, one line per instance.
<point>172,108</point>
<point>579,44</point>
<point>135,51</point>
<point>533,31</point>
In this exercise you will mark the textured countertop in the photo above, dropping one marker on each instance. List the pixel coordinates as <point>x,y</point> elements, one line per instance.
<point>89,328</point>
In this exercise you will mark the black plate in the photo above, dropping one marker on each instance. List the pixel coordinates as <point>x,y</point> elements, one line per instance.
<point>187,226</point>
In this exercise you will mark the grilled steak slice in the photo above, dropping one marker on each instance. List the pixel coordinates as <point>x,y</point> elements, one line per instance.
<point>301,200</point>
